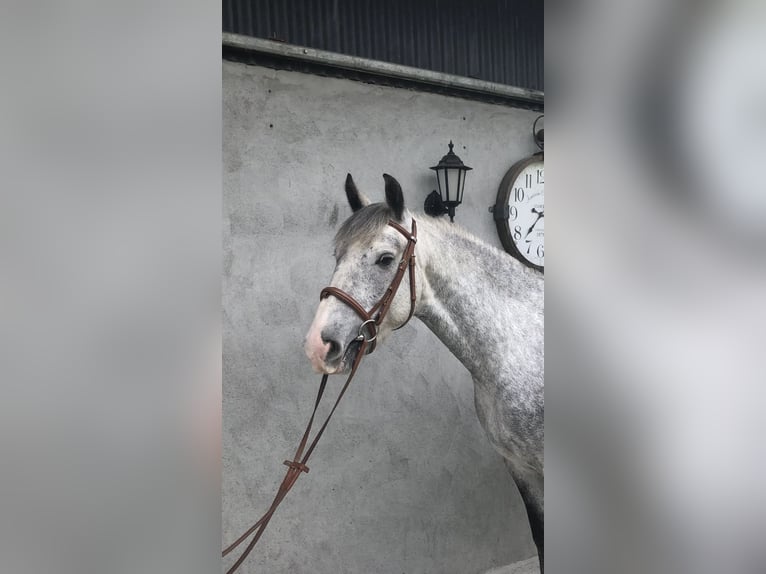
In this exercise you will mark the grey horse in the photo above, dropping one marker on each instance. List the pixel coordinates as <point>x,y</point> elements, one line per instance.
<point>483,304</point>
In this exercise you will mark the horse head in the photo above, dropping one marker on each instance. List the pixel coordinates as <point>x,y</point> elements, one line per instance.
<point>370,247</point>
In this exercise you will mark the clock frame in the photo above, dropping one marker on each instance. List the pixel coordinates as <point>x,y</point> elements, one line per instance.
<point>501,209</point>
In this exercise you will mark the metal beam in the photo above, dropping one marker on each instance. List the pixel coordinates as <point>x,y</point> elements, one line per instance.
<point>382,69</point>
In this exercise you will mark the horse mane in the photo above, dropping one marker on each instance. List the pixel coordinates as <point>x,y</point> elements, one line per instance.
<point>363,225</point>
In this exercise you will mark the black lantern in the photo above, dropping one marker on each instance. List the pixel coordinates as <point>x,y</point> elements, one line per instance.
<point>450,177</point>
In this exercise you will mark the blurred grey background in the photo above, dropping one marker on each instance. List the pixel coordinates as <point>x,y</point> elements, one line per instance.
<point>655,282</point>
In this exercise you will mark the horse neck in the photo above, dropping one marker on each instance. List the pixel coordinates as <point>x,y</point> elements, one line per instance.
<point>482,303</point>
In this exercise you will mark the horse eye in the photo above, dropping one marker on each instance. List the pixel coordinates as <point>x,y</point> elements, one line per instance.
<point>385,260</point>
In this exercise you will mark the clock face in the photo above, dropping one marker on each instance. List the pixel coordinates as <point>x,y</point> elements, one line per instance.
<point>519,211</point>
<point>526,210</point>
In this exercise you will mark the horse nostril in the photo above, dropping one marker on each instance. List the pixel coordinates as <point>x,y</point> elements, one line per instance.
<point>334,351</point>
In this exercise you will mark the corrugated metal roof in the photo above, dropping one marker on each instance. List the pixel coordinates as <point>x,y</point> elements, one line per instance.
<point>498,41</point>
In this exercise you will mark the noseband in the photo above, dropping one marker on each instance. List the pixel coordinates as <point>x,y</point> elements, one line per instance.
<point>372,319</point>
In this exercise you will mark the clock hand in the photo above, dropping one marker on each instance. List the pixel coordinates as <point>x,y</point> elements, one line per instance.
<point>540,215</point>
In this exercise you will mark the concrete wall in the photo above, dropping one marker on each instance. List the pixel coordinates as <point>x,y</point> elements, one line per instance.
<point>404,480</point>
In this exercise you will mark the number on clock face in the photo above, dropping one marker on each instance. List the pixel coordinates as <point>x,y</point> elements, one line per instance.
<point>526,213</point>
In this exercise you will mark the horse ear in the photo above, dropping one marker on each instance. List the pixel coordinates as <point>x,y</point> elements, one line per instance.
<point>394,196</point>
<point>355,199</point>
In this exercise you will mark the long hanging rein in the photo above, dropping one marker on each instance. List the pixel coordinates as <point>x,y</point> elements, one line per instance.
<point>371,321</point>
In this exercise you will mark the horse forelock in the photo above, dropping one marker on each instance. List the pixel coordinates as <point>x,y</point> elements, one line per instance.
<point>362,227</point>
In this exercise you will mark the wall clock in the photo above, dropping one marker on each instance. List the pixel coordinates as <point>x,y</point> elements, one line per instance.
<point>520,208</point>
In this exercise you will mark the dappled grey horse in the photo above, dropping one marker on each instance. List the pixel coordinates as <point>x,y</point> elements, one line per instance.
<point>483,304</point>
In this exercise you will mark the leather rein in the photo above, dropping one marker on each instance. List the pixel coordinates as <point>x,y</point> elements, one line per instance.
<point>371,321</point>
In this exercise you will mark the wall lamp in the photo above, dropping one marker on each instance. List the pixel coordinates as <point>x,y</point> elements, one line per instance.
<point>450,178</point>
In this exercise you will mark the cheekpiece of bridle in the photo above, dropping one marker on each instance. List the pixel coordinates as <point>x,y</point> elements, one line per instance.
<point>371,320</point>
<point>368,333</point>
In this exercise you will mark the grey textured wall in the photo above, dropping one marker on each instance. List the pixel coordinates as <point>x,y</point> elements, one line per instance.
<point>404,480</point>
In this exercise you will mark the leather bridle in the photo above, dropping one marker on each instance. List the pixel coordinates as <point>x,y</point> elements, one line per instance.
<point>371,321</point>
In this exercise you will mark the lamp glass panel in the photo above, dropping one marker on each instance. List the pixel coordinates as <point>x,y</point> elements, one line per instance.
<point>453,181</point>
<point>441,183</point>
<point>461,185</point>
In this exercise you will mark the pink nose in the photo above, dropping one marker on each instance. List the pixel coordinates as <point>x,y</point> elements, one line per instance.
<point>316,350</point>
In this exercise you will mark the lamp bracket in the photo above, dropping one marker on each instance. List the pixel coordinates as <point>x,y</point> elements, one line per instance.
<point>433,205</point>
<point>499,213</point>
